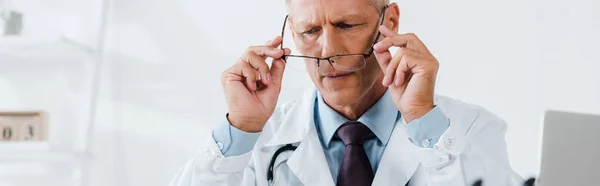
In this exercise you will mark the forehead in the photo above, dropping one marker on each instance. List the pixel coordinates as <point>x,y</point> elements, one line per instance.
<point>312,9</point>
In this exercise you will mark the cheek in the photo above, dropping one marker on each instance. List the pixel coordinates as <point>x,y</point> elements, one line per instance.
<point>311,69</point>
<point>372,63</point>
<point>372,70</point>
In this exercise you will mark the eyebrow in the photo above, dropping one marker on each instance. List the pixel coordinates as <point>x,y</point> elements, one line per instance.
<point>348,17</point>
<point>337,20</point>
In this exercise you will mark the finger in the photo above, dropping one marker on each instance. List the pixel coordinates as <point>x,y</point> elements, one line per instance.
<point>250,74</point>
<point>390,39</point>
<point>242,73</point>
<point>277,69</point>
<point>266,51</point>
<point>409,65</point>
<point>258,63</point>
<point>408,40</point>
<point>402,70</point>
<point>383,58</point>
<point>391,73</point>
<point>386,32</point>
<point>390,70</point>
<point>229,76</point>
<point>275,42</point>
<point>287,51</point>
<point>388,42</point>
<point>269,42</point>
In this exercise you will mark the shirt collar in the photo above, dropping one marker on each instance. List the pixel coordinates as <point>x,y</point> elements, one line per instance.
<point>380,118</point>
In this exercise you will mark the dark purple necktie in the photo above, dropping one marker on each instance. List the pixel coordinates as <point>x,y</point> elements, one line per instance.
<point>356,169</point>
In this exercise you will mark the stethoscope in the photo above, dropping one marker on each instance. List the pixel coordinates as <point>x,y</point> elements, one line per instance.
<point>287,147</point>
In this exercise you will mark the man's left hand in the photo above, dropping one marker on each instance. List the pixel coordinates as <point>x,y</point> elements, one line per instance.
<point>410,74</point>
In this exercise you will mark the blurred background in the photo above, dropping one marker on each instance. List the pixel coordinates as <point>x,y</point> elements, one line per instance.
<point>131,88</point>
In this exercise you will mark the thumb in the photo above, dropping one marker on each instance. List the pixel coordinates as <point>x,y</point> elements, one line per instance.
<point>276,71</point>
<point>278,67</point>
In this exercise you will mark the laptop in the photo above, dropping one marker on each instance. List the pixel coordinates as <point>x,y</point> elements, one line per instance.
<point>570,153</point>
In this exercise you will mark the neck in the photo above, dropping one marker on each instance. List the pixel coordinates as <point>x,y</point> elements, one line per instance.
<point>355,110</point>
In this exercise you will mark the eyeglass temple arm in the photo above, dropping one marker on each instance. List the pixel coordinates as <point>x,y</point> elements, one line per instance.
<point>283,30</point>
<point>282,33</point>
<point>378,32</point>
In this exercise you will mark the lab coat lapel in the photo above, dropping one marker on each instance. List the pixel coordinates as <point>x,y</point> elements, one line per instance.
<point>308,161</point>
<point>399,161</point>
<point>296,123</point>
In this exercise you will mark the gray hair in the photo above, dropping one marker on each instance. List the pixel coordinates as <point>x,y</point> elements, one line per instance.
<point>379,4</point>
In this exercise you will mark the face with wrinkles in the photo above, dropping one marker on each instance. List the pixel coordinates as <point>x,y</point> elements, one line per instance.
<point>324,28</point>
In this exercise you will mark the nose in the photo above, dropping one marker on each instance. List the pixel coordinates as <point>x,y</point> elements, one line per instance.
<point>329,42</point>
<point>330,45</point>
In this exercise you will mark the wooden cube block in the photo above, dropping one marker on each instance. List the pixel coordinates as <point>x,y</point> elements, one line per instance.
<point>23,126</point>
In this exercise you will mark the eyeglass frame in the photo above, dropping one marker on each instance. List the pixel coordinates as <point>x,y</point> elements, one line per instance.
<point>318,59</point>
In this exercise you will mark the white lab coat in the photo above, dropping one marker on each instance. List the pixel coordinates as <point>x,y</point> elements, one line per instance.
<point>472,148</point>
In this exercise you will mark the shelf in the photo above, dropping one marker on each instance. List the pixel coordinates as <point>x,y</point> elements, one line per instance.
<point>42,51</point>
<point>53,76</point>
<point>27,62</point>
<point>38,152</point>
<point>43,156</point>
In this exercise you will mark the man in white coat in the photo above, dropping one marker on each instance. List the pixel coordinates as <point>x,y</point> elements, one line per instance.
<point>372,118</point>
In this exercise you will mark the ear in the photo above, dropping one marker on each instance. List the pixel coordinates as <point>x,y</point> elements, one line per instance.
<point>392,17</point>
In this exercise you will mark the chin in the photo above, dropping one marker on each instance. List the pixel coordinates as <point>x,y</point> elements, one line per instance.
<point>345,96</point>
<point>342,90</point>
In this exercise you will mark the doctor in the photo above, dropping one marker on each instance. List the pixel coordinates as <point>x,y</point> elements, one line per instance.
<point>372,118</point>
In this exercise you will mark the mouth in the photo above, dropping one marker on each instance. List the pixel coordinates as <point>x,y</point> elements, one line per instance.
<point>338,75</point>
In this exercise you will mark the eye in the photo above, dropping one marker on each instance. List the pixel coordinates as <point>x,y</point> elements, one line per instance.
<point>311,31</point>
<point>346,26</point>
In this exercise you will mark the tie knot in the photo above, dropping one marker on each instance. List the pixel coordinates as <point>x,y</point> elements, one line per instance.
<point>353,133</point>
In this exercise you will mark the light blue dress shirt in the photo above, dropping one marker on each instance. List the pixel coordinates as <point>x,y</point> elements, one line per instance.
<point>381,118</point>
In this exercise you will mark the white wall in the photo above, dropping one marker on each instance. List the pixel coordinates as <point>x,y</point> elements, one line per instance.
<point>162,95</point>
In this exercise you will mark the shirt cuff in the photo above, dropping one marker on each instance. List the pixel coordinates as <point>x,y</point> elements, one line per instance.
<point>232,141</point>
<point>426,131</point>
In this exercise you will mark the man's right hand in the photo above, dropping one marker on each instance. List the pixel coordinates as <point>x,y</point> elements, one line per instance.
<point>252,88</point>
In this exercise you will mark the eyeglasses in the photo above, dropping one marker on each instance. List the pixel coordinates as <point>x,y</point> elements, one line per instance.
<point>342,62</point>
